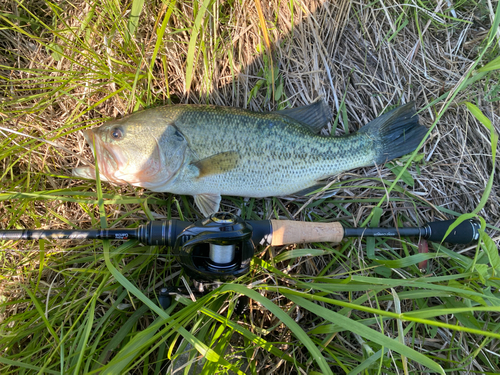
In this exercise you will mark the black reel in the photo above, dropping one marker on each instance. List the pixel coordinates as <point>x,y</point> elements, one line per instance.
<point>217,248</point>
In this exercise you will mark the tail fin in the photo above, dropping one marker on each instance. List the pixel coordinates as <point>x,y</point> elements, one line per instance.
<point>395,133</point>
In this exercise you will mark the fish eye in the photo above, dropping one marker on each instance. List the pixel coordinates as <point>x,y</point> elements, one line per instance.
<point>117,133</point>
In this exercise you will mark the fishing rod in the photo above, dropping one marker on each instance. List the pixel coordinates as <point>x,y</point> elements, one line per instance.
<point>221,246</point>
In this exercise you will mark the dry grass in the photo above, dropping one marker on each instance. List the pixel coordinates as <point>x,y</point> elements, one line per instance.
<point>362,58</point>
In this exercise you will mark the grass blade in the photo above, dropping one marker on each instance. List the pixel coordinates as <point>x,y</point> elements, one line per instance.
<point>190,60</point>
<point>289,322</point>
<point>367,333</point>
<point>135,14</point>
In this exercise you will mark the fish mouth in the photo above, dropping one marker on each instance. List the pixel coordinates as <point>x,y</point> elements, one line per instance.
<point>89,137</point>
<point>118,167</point>
<point>109,159</point>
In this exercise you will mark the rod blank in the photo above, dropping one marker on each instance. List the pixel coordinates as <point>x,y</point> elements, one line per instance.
<point>68,234</point>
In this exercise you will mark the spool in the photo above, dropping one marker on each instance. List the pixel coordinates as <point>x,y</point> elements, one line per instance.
<point>221,256</point>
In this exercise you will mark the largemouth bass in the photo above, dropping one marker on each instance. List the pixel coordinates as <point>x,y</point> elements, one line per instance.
<point>209,151</point>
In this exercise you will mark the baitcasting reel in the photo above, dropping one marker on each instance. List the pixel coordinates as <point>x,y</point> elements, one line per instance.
<point>216,248</point>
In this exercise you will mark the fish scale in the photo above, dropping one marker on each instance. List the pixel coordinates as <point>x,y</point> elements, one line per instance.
<point>209,151</point>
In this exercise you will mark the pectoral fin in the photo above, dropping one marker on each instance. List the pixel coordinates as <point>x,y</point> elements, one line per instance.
<point>217,164</point>
<point>314,116</point>
<point>207,203</point>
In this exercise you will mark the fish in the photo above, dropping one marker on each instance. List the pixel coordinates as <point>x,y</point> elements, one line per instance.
<point>208,151</point>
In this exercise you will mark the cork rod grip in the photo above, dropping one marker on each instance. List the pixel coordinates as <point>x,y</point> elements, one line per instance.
<point>287,232</point>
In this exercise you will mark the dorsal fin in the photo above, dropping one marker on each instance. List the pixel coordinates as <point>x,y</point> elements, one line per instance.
<point>315,116</point>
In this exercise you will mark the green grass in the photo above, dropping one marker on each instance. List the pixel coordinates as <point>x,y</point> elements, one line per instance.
<point>362,306</point>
